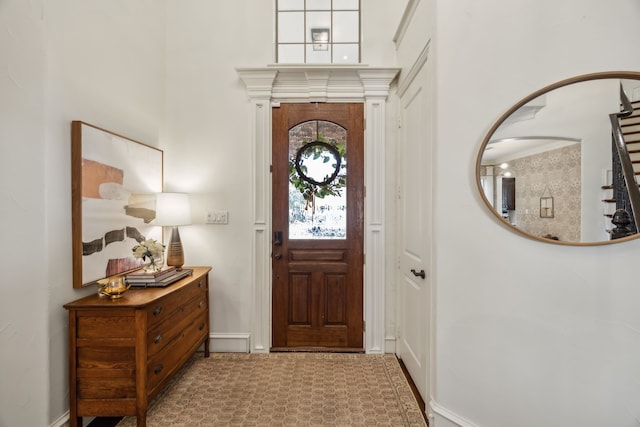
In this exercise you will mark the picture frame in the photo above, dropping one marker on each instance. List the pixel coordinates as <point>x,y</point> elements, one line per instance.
<point>546,207</point>
<point>114,180</point>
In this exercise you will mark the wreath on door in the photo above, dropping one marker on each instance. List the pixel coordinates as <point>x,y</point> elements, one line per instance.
<point>307,181</point>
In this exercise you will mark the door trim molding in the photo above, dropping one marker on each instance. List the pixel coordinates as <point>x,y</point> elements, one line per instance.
<point>269,86</point>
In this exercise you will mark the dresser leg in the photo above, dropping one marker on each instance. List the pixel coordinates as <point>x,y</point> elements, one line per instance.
<point>141,419</point>
<point>206,347</point>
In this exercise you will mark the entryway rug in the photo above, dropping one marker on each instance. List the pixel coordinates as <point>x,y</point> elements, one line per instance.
<point>286,389</point>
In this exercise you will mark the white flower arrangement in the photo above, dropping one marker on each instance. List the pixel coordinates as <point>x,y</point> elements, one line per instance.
<point>148,249</point>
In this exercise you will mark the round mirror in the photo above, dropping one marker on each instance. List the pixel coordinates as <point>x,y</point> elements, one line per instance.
<point>555,166</point>
<point>318,163</point>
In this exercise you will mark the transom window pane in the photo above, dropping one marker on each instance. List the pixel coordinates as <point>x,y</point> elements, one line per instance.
<point>344,53</point>
<point>317,181</point>
<point>326,31</point>
<point>346,5</point>
<point>319,54</point>
<point>318,4</point>
<point>291,29</point>
<point>291,5</point>
<point>345,27</point>
<point>320,21</point>
<point>291,53</point>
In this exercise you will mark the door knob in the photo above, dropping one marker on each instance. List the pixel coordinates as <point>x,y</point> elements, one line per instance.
<point>420,273</point>
<point>278,256</point>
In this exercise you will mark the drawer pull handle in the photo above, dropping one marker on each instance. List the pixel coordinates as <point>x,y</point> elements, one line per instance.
<point>202,326</point>
<point>158,369</point>
<point>200,284</point>
<point>158,339</point>
<point>201,304</point>
<point>157,311</point>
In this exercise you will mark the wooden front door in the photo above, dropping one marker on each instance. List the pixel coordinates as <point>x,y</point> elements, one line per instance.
<point>318,217</point>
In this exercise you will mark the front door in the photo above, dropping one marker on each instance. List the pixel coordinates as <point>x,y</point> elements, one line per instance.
<point>318,217</point>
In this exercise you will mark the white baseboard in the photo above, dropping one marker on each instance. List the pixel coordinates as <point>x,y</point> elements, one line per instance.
<point>241,343</point>
<point>390,345</point>
<point>440,416</point>
<point>62,421</point>
<point>230,343</point>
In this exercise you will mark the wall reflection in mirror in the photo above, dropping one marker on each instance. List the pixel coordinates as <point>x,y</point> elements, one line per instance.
<point>550,166</point>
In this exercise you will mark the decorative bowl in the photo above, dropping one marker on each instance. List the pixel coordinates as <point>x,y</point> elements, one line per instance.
<point>113,287</point>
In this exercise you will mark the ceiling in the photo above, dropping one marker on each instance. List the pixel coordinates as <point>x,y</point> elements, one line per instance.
<point>507,149</point>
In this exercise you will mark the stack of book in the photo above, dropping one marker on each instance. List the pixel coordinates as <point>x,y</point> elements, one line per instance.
<point>158,279</point>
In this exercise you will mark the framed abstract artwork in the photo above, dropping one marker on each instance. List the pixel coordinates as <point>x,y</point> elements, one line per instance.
<point>114,180</point>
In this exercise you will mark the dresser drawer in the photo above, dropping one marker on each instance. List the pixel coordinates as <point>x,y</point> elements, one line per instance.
<point>165,332</point>
<point>102,324</point>
<point>176,352</point>
<point>105,371</point>
<point>164,307</point>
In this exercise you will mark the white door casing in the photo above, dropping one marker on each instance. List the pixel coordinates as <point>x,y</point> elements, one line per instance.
<point>272,85</point>
<point>414,225</point>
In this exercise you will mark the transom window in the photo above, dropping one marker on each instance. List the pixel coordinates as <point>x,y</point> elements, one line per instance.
<point>318,31</point>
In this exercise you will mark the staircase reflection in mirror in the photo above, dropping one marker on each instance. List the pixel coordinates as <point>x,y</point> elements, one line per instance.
<point>558,143</point>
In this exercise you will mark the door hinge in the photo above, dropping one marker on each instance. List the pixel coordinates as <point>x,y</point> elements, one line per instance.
<point>364,326</point>
<point>271,168</point>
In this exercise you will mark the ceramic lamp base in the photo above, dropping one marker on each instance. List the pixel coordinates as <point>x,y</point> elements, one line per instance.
<point>175,254</point>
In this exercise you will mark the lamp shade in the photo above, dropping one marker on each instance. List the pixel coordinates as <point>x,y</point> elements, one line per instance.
<point>173,209</point>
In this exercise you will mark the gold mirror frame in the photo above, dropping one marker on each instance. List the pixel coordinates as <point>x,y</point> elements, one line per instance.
<point>631,75</point>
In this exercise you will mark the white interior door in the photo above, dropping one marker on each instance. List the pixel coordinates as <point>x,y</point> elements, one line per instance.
<point>414,233</point>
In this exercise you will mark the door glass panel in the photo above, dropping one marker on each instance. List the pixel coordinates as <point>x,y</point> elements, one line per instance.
<point>317,181</point>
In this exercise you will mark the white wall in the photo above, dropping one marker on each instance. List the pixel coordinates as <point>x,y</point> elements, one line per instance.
<point>206,138</point>
<point>78,60</point>
<point>528,333</point>
<point>105,66</point>
<point>23,252</point>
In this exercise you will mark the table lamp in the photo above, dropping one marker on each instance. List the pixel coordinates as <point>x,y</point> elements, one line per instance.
<point>173,209</point>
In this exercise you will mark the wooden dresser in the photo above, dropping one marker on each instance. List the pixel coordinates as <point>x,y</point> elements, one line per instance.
<point>123,351</point>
